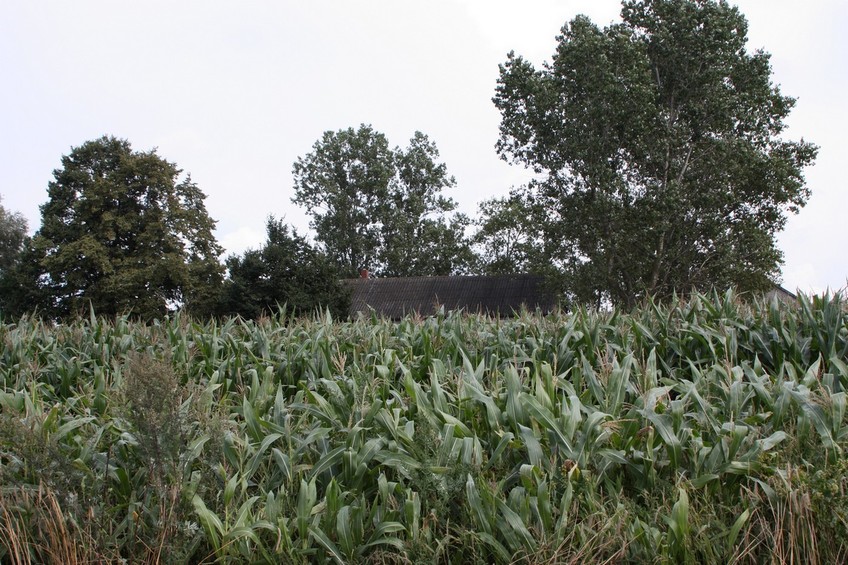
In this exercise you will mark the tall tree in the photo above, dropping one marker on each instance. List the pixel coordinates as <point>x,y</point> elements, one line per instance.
<point>507,242</point>
<point>15,296</point>
<point>379,208</point>
<point>344,183</point>
<point>13,233</point>
<point>660,148</point>
<point>420,235</point>
<point>286,271</point>
<point>121,232</point>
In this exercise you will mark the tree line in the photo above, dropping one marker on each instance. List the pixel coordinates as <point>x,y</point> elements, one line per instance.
<point>660,163</point>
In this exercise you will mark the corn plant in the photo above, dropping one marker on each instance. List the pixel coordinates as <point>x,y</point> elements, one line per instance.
<point>702,430</point>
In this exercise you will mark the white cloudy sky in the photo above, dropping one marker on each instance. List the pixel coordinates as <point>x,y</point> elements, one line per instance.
<point>234,92</point>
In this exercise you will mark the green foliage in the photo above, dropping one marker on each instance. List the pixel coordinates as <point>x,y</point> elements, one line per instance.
<point>120,492</point>
<point>13,232</point>
<point>420,236</point>
<point>286,272</point>
<point>659,149</point>
<point>21,286</point>
<point>507,245</point>
<point>13,262</point>
<point>119,233</point>
<point>382,209</point>
<point>706,430</point>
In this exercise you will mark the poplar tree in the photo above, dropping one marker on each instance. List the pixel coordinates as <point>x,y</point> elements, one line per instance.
<point>660,151</point>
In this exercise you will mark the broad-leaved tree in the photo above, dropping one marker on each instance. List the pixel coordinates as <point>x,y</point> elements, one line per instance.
<point>659,147</point>
<point>285,272</point>
<point>124,233</point>
<point>379,208</point>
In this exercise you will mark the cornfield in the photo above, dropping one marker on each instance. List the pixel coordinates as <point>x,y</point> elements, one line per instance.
<point>709,430</point>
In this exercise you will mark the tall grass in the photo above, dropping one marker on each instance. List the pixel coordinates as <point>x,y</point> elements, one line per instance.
<point>707,430</point>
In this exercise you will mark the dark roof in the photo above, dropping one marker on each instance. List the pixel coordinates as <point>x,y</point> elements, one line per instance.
<point>396,297</point>
<point>781,294</point>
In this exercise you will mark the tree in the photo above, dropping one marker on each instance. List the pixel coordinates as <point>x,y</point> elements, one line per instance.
<point>419,236</point>
<point>122,233</point>
<point>508,244</point>
<point>286,271</point>
<point>658,141</point>
<point>13,233</point>
<point>379,208</point>
<point>13,237</point>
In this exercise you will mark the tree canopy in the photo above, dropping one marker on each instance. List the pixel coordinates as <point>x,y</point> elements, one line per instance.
<point>507,243</point>
<point>13,233</point>
<point>382,209</point>
<point>13,237</point>
<point>659,150</point>
<point>122,232</point>
<point>286,271</point>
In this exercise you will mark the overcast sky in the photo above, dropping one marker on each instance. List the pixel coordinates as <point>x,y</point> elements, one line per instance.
<point>235,92</point>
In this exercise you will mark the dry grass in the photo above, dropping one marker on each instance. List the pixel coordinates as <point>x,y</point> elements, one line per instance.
<point>35,529</point>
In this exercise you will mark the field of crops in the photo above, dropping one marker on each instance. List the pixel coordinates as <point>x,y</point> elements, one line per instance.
<point>707,431</point>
